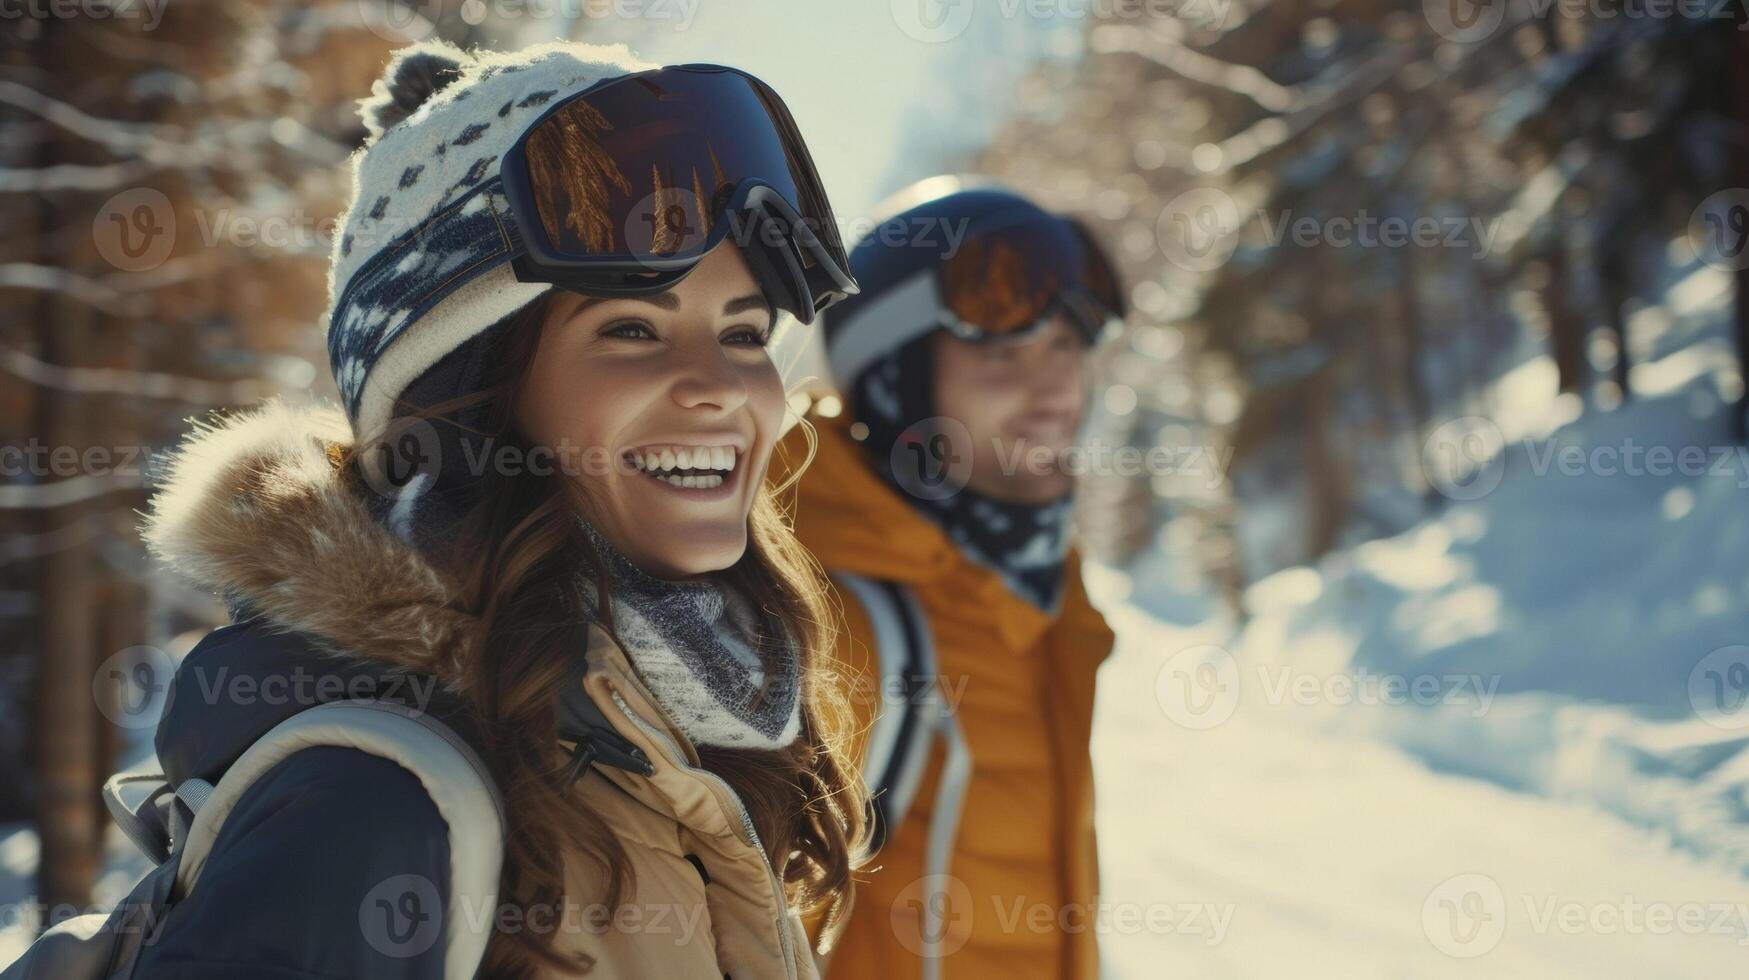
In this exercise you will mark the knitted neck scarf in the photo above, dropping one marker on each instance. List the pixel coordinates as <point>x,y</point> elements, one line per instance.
<point>1024,544</point>
<point>695,644</point>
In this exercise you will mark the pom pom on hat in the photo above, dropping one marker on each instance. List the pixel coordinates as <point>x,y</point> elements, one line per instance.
<point>415,74</point>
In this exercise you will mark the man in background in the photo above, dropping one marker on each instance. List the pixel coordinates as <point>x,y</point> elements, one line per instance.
<point>938,503</point>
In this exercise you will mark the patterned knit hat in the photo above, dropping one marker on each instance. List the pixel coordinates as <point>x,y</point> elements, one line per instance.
<point>420,273</point>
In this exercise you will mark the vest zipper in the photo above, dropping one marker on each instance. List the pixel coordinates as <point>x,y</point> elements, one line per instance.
<point>679,758</point>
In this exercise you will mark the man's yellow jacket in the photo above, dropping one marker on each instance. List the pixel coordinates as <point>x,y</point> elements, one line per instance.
<point>1023,880</point>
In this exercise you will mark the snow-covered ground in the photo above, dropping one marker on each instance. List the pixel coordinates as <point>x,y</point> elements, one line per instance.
<point>1511,741</point>
<point>1267,847</point>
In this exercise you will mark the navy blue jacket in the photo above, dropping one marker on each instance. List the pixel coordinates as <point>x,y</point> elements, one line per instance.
<point>331,863</point>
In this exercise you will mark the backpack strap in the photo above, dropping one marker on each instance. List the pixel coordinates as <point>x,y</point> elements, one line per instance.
<point>899,739</point>
<point>903,733</point>
<point>452,773</point>
<point>146,823</point>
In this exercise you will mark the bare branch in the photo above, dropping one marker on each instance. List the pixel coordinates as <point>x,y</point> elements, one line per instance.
<point>139,384</point>
<point>21,275</point>
<point>1241,80</point>
<point>119,137</point>
<point>22,547</point>
<point>64,493</point>
<point>70,176</point>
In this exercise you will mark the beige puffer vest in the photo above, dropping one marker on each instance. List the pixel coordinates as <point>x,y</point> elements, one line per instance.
<point>705,903</point>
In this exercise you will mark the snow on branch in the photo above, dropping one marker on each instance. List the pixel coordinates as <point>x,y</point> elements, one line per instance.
<point>139,384</point>
<point>1176,57</point>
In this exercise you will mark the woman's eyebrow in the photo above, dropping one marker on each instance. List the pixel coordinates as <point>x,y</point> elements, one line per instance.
<point>667,301</point>
<point>741,304</point>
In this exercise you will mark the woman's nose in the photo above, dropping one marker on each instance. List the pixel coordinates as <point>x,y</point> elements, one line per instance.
<point>707,379</point>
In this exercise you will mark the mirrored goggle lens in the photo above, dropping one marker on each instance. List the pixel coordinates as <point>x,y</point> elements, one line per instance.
<point>642,167</point>
<point>1006,281</point>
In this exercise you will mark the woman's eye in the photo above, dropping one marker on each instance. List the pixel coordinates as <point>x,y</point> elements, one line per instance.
<point>631,329</point>
<point>748,336</point>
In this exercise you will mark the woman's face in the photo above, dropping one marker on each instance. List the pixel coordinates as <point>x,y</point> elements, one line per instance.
<point>663,410</point>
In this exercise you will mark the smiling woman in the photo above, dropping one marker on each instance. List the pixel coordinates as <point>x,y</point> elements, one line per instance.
<point>633,640</point>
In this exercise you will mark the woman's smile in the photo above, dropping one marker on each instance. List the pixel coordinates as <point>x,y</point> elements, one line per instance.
<point>699,472</point>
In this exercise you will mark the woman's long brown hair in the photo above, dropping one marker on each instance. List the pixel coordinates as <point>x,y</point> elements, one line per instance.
<point>516,556</point>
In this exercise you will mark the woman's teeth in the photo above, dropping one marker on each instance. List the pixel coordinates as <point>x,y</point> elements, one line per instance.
<point>688,467</point>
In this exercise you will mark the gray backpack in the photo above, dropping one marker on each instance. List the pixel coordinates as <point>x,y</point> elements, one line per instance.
<point>176,827</point>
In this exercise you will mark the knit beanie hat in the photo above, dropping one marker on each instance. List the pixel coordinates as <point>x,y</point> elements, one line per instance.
<point>420,273</point>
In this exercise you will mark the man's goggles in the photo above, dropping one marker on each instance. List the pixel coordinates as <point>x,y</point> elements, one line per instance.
<point>1002,285</point>
<point>1007,284</point>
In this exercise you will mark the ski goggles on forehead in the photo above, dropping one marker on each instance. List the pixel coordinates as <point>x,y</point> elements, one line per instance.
<point>1004,285</point>
<point>620,189</point>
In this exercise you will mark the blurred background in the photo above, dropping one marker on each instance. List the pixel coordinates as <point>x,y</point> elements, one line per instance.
<point>1432,585</point>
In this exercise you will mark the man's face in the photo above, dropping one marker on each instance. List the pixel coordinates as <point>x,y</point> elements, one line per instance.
<point>1017,401</point>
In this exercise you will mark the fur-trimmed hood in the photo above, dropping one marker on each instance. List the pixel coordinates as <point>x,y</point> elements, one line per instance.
<point>256,507</point>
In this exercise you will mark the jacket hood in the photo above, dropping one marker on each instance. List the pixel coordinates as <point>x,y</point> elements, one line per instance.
<point>256,508</point>
<point>328,602</point>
